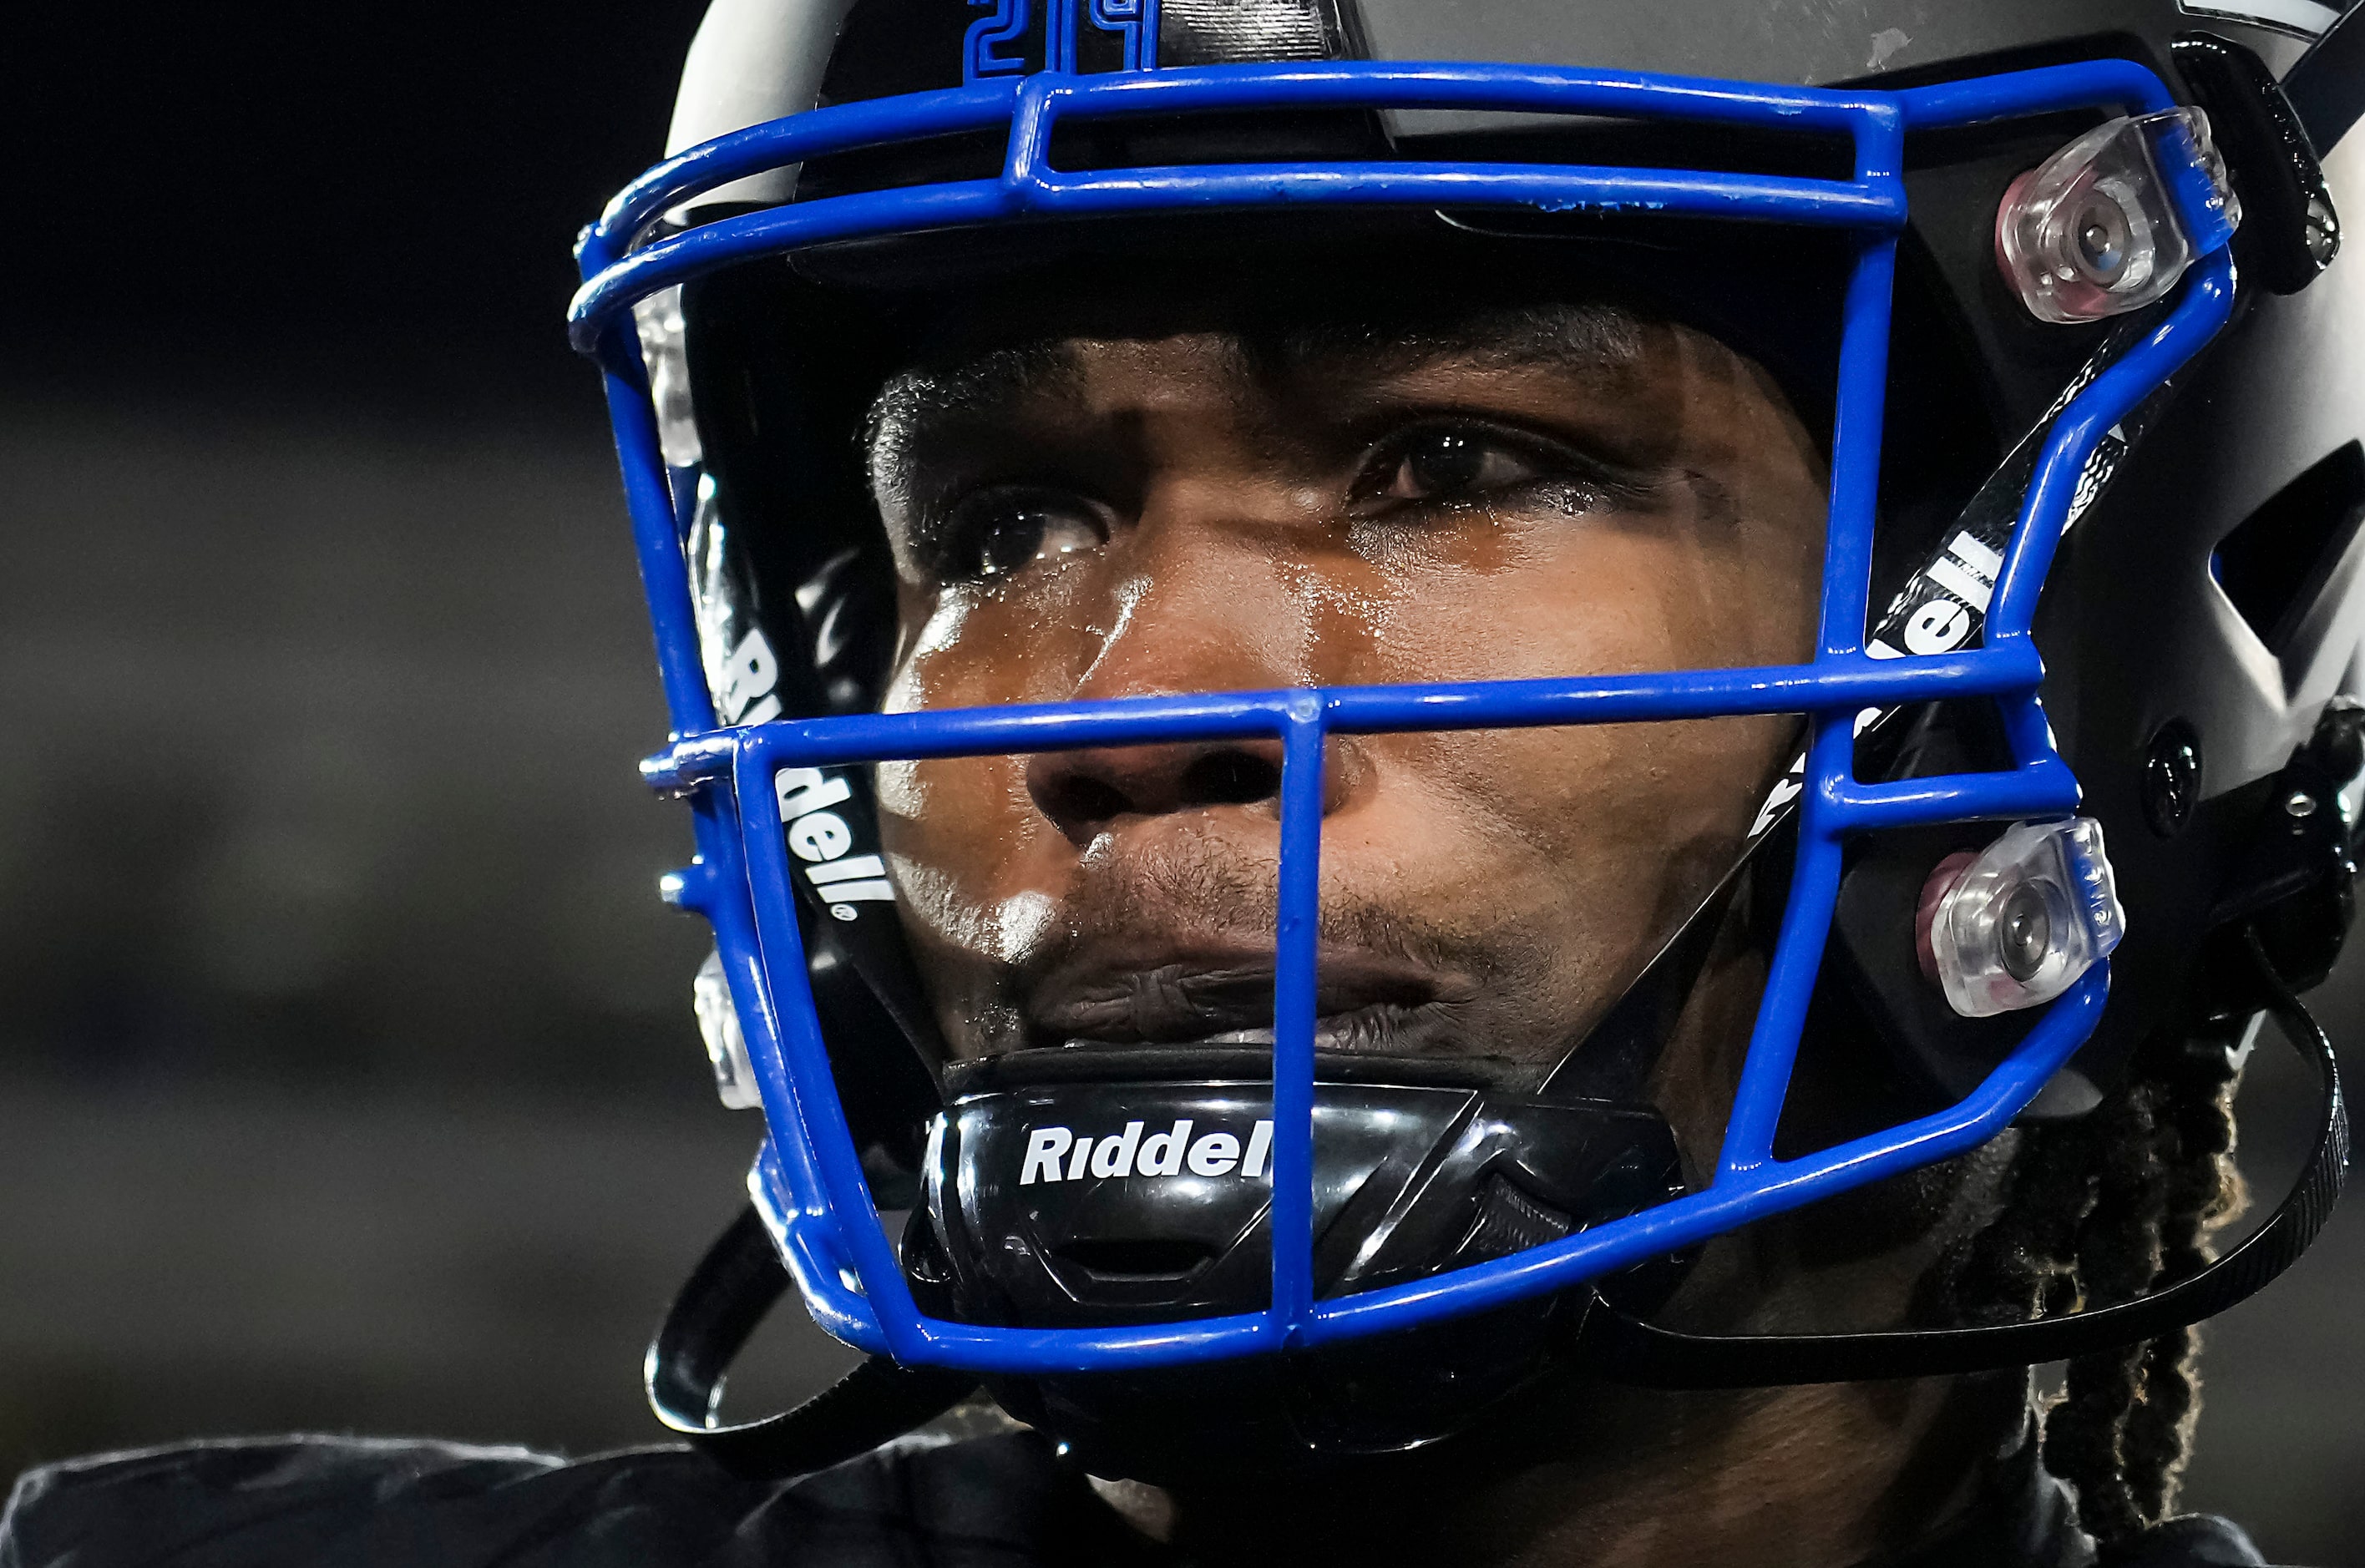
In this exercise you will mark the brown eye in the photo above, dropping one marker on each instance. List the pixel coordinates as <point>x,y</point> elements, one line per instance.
<point>996,535</point>
<point>1439,462</point>
<point>1450,462</point>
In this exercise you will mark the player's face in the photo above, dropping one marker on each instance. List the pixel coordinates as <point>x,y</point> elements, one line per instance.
<point>1544,491</point>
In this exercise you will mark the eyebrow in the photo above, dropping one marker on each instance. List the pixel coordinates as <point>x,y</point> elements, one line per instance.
<point>1589,338</point>
<point>914,399</point>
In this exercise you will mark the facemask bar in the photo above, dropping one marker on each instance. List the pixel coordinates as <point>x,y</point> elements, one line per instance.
<point>807,1180</point>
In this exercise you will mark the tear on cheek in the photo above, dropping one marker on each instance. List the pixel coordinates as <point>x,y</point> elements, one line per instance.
<point>942,631</point>
<point>932,626</point>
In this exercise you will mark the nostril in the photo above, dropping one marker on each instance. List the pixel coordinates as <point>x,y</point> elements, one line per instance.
<point>1080,800</point>
<point>1229,778</point>
<point>1083,792</point>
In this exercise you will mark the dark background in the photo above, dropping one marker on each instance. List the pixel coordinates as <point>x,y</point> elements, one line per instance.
<point>347,1074</point>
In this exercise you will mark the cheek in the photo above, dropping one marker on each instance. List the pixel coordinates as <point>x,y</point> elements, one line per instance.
<point>1611,816</point>
<point>1616,599</point>
<point>929,632</point>
<point>981,868</point>
<point>966,848</point>
<point>1548,864</point>
<point>1695,584</point>
<point>981,871</point>
<point>968,646</point>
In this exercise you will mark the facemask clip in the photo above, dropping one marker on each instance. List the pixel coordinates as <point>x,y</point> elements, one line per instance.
<point>2015,926</point>
<point>726,1046</point>
<point>2110,223</point>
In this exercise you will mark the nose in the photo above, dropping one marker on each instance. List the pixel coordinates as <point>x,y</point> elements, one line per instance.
<point>1085,793</point>
<point>1205,607</point>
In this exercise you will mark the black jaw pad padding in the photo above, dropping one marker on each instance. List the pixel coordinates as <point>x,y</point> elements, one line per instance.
<point>1144,1199</point>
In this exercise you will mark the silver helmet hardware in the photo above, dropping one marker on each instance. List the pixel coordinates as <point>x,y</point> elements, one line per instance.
<point>2108,224</point>
<point>662,330</point>
<point>726,1046</point>
<point>2015,926</point>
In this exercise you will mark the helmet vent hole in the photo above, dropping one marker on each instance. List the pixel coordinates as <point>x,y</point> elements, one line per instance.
<point>2276,563</point>
<point>1148,1257</point>
<point>1510,1221</point>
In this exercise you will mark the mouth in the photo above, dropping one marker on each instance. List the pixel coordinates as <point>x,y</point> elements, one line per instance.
<point>1363,1003</point>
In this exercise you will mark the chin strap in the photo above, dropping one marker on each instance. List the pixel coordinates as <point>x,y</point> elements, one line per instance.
<point>1625,1349</point>
<point>718,1308</point>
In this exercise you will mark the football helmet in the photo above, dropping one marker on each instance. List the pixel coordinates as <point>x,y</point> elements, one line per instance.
<point>2058,284</point>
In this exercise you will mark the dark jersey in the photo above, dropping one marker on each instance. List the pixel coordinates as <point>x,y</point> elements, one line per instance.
<point>1004,1501</point>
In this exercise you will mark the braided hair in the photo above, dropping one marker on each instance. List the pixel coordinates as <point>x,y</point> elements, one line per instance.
<point>2104,1209</point>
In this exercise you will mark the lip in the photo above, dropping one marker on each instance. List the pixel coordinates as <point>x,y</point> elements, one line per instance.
<point>1363,1002</point>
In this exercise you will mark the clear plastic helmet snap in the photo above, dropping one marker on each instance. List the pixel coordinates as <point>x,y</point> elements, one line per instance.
<point>726,1044</point>
<point>2017,925</point>
<point>2099,229</point>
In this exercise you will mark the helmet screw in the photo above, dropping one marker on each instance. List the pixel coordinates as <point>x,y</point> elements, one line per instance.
<point>2323,230</point>
<point>2171,782</point>
<point>2299,805</point>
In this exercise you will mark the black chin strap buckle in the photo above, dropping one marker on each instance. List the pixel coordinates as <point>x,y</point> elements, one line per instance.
<point>730,1292</point>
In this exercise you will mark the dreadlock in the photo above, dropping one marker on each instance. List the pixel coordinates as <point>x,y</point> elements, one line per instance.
<point>2102,1210</point>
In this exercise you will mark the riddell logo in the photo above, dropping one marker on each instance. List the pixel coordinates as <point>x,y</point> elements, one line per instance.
<point>1056,1154</point>
<point>820,838</point>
